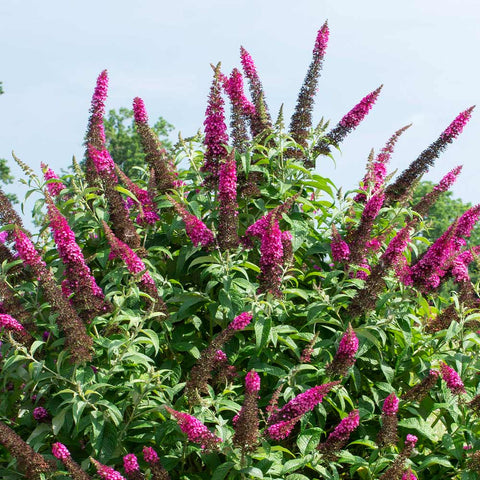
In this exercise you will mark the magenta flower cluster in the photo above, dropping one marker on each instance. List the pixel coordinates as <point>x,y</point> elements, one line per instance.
<point>97,108</point>
<point>456,127</point>
<point>26,250</point>
<point>252,382</point>
<point>452,379</point>
<point>411,441</point>
<point>248,64</point>
<point>234,88</point>
<point>283,421</point>
<point>340,250</point>
<point>347,425</point>
<point>390,405</point>
<point>321,42</point>
<point>195,430</point>
<point>227,182</point>
<point>70,252</point>
<point>8,322</point>
<point>372,207</point>
<point>103,163</point>
<point>60,451</point>
<point>448,180</point>
<point>107,473</point>
<point>240,321</point>
<point>215,128</point>
<point>130,464</point>
<point>353,118</point>
<point>54,188</point>
<point>348,346</point>
<point>409,475</point>
<point>139,111</point>
<point>150,455</point>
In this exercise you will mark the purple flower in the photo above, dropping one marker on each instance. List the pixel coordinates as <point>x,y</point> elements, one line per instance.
<point>447,181</point>
<point>452,379</point>
<point>281,430</point>
<point>411,440</point>
<point>321,41</point>
<point>40,414</point>
<point>26,250</point>
<point>409,475</point>
<point>234,88</point>
<point>60,451</point>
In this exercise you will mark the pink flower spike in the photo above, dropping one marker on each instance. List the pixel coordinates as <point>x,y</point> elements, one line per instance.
<point>353,118</point>
<point>139,112</point>
<point>282,430</point>
<point>452,379</point>
<point>447,181</point>
<point>247,64</point>
<point>54,188</point>
<point>240,321</point>
<point>411,440</point>
<point>130,464</point>
<point>340,250</point>
<point>456,127</point>
<point>60,451</point>
<point>252,382</point>
<point>390,405</point>
<point>107,473</point>
<point>321,41</point>
<point>409,475</point>
<point>195,430</point>
<point>150,455</point>
<point>8,322</point>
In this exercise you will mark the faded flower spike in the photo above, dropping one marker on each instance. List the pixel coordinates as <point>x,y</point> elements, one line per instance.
<point>388,432</point>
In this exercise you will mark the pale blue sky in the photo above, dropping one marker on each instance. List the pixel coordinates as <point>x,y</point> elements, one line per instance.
<point>424,52</point>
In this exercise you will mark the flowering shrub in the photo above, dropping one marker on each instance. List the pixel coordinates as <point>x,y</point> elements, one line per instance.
<point>238,317</point>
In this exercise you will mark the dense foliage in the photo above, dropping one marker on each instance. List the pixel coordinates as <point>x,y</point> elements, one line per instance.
<point>238,318</point>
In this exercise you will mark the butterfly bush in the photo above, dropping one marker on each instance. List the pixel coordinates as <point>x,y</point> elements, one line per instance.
<point>226,311</point>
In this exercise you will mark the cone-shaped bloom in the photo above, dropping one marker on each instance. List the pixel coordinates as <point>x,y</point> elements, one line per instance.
<point>340,250</point>
<point>452,379</point>
<point>388,432</point>
<point>430,198</point>
<point>349,122</point>
<point>88,296</point>
<point>8,322</point>
<point>95,131</point>
<point>130,464</point>
<point>240,321</point>
<point>198,232</point>
<point>150,455</point>
<point>252,382</point>
<point>234,88</point>
<point>55,187</point>
<point>390,405</point>
<point>107,473</point>
<point>215,128</point>
<point>345,356</point>
<point>298,406</point>
<point>340,435</point>
<point>409,475</point>
<point>195,430</point>
<point>271,256</point>
<point>60,451</point>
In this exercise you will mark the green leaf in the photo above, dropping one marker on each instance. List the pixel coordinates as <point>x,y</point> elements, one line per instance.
<point>222,470</point>
<point>262,329</point>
